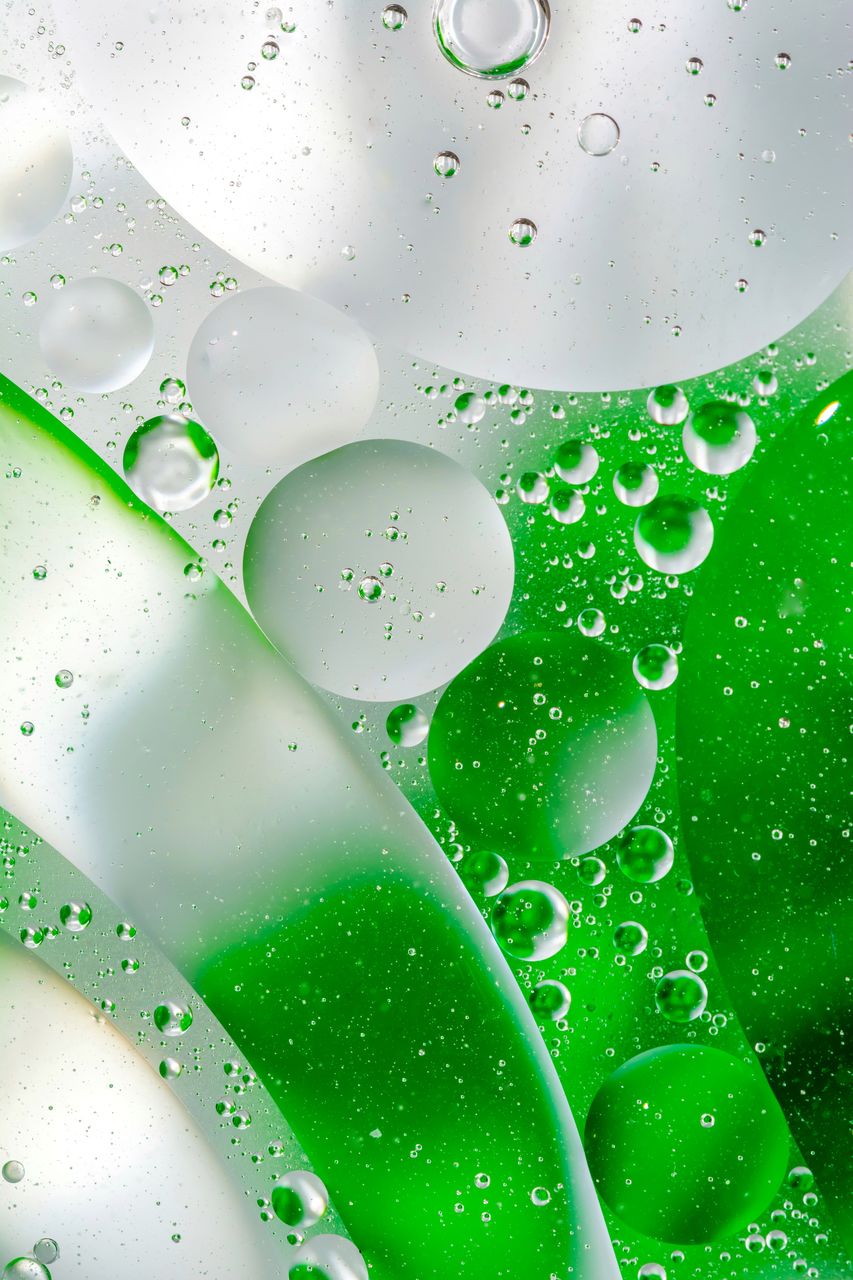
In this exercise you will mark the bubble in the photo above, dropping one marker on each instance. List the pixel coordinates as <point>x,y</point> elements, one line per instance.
<point>673,534</point>
<point>484,872</point>
<point>170,1068</point>
<point>719,438</point>
<point>13,1171</point>
<point>532,487</point>
<point>655,666</point>
<point>330,1257</point>
<point>598,134</point>
<point>394,17</point>
<point>407,725</point>
<point>63,679</point>
<point>591,870</point>
<point>757,238</point>
<point>491,38</point>
<point>46,1250</point>
<point>96,334</point>
<point>693,66</point>
<point>299,1199</point>
<point>800,1178</point>
<point>725,1174</point>
<point>530,920</point>
<point>279,377</point>
<point>331,512</point>
<point>25,1269</point>
<point>575,461</point>
<point>630,938</point>
<point>668,405</point>
<point>697,961</point>
<point>270,50</point>
<point>35,164</point>
<point>75,916</point>
<point>783,61</point>
<point>591,622</point>
<point>681,996</point>
<point>171,462</point>
<point>635,484</point>
<point>550,1000</point>
<point>446,164</point>
<point>544,743</point>
<point>470,408</point>
<point>518,89</point>
<point>523,232</point>
<point>370,589</point>
<point>567,505</point>
<point>645,854</point>
<point>172,1019</point>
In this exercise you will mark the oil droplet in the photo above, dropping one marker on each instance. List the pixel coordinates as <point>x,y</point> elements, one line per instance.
<point>598,134</point>
<point>491,38</point>
<point>523,232</point>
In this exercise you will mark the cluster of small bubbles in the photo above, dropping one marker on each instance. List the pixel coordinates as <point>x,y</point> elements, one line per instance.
<point>469,408</point>
<point>591,622</point>
<point>172,1019</point>
<point>635,484</point>
<point>681,996</point>
<point>532,487</point>
<point>485,872</point>
<point>394,17</point>
<point>630,938</point>
<point>407,725</point>
<point>576,462</point>
<point>530,920</point>
<point>668,405</point>
<point>645,854</point>
<point>598,134</point>
<point>75,916</point>
<point>13,1171</point>
<point>655,666</point>
<point>719,438</point>
<point>673,534</point>
<point>299,1199</point>
<point>567,505</point>
<point>523,232</point>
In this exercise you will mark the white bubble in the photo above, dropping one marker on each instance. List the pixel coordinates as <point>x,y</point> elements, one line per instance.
<point>279,377</point>
<point>398,514</point>
<point>96,334</point>
<point>598,134</point>
<point>171,462</point>
<point>299,1198</point>
<point>719,438</point>
<point>35,164</point>
<point>673,534</point>
<point>490,38</point>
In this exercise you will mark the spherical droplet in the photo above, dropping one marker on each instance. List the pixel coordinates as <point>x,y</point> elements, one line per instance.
<point>591,622</point>
<point>530,920</point>
<point>491,38</point>
<point>407,725</point>
<point>484,872</point>
<point>299,1199</point>
<point>567,505</point>
<point>35,164</point>
<point>170,1068</point>
<point>330,1257</point>
<point>96,334</point>
<point>172,1019</point>
<point>75,916</point>
<point>64,679</point>
<point>46,1250</point>
<point>668,405</point>
<point>630,938</point>
<point>575,461</point>
<point>13,1171</point>
<point>645,854</point>
<point>550,1000</point>
<point>446,164</point>
<point>655,666</point>
<point>598,134</point>
<point>693,66</point>
<point>25,1269</point>
<point>673,534</point>
<point>719,438</point>
<point>370,589</point>
<point>394,17</point>
<point>523,232</point>
<point>171,462</point>
<point>635,484</point>
<point>469,407</point>
<point>681,996</point>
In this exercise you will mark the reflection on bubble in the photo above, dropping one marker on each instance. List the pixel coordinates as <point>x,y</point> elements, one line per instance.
<point>96,334</point>
<point>719,438</point>
<point>491,38</point>
<point>598,134</point>
<point>530,920</point>
<point>171,462</point>
<point>673,534</point>
<point>35,165</point>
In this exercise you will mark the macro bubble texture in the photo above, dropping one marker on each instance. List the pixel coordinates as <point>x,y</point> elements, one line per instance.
<point>96,334</point>
<point>35,164</point>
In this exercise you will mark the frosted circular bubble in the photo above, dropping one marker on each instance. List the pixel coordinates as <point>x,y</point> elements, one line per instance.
<point>35,164</point>
<point>575,461</point>
<point>630,938</point>
<point>328,1257</point>
<point>598,134</point>
<point>567,505</point>
<point>96,334</point>
<point>668,405</point>
<point>279,377</point>
<point>299,1199</point>
<point>673,534</point>
<point>530,920</point>
<point>635,484</point>
<point>719,438</point>
<point>655,666</point>
<point>491,38</point>
<point>396,516</point>
<point>171,462</point>
<point>25,1269</point>
<point>46,1250</point>
<point>13,1171</point>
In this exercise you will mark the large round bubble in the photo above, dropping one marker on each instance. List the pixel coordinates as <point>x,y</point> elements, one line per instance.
<point>353,568</point>
<point>35,164</point>
<point>673,534</point>
<point>96,334</point>
<point>545,744</point>
<point>279,377</point>
<point>171,462</point>
<point>530,920</point>
<point>719,438</point>
<point>686,1143</point>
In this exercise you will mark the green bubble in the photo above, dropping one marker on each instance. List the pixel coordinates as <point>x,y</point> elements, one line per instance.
<point>645,854</point>
<point>681,996</point>
<point>529,920</point>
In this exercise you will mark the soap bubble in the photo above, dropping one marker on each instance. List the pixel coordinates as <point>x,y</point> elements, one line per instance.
<point>530,920</point>
<point>393,515</point>
<point>645,854</point>
<point>719,438</point>
<point>550,1000</point>
<point>171,462</point>
<point>673,534</point>
<point>35,164</point>
<point>491,38</point>
<point>279,377</point>
<point>681,996</point>
<point>299,1199</point>
<point>96,334</point>
<point>655,666</point>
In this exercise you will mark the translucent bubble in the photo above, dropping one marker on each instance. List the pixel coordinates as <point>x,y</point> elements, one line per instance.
<point>394,17</point>
<point>446,164</point>
<point>523,232</point>
<point>299,1199</point>
<point>530,920</point>
<point>518,89</point>
<point>591,870</point>
<point>693,66</point>
<point>550,1000</point>
<point>96,334</point>
<point>75,916</point>
<point>407,725</point>
<point>645,854</point>
<point>469,407</point>
<point>46,1250</point>
<point>171,462</point>
<point>370,589</point>
<point>25,1269</point>
<point>598,134</point>
<point>35,164</point>
<point>800,1178</point>
<point>491,38</point>
<point>172,1019</point>
<point>567,505</point>
<point>668,405</point>
<point>331,512</point>
<point>697,961</point>
<point>719,438</point>
<point>13,1171</point>
<point>279,377</point>
<point>170,1068</point>
<point>485,872</point>
<point>673,534</point>
<point>331,1257</point>
<point>681,996</point>
<point>630,938</point>
<point>591,622</point>
<point>655,666</point>
<point>575,461</point>
<point>651,1271</point>
<point>635,484</point>
<point>532,487</point>
<point>64,679</point>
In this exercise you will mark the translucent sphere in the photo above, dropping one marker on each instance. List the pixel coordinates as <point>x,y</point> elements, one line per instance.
<point>681,996</point>
<point>673,534</point>
<point>484,872</point>
<point>46,1250</point>
<point>172,1019</point>
<point>328,1257</point>
<point>719,438</point>
<point>575,461</point>
<point>530,920</point>
<point>630,938</point>
<point>299,1199</point>
<point>75,916</point>
<point>96,334</point>
<point>668,405</point>
<point>645,854</point>
<point>35,164</point>
<point>567,505</point>
<point>171,462</point>
<point>655,666</point>
<point>491,38</point>
<point>12,1171</point>
<point>279,377</point>
<point>598,134</point>
<point>394,516</point>
<point>25,1269</point>
<point>550,1000</point>
<point>407,725</point>
<point>635,484</point>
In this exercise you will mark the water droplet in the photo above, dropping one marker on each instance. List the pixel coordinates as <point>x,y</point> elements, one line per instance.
<point>523,232</point>
<point>484,872</point>
<point>491,38</point>
<point>719,438</point>
<point>575,461</point>
<point>407,725</point>
<point>370,589</point>
<point>299,1199</point>
<point>530,920</point>
<point>668,405</point>
<point>783,61</point>
<point>46,1250</point>
<point>270,50</point>
<point>630,938</point>
<point>171,462</point>
<point>645,854</point>
<point>635,484</point>
<point>598,134</point>
<point>446,164</point>
<point>172,1019</point>
<point>13,1171</point>
<point>655,666</point>
<point>673,534</point>
<point>394,17</point>
<point>470,408</point>
<point>591,622</point>
<point>75,916</point>
<point>550,1000</point>
<point>567,505</point>
<point>96,334</point>
<point>693,66</point>
<point>681,996</point>
<point>25,1269</point>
